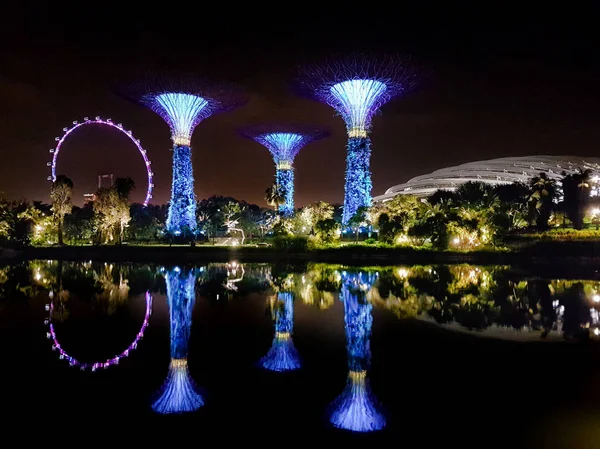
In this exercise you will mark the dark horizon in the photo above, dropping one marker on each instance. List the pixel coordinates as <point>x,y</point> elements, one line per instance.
<point>516,85</point>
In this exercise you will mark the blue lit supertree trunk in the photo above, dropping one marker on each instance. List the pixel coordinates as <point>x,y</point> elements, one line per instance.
<point>284,142</point>
<point>356,86</point>
<point>183,101</point>
<point>357,409</point>
<point>284,177</point>
<point>357,191</point>
<point>179,392</point>
<point>182,207</point>
<point>282,356</point>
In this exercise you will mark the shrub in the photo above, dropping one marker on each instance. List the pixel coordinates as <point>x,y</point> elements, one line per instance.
<point>370,241</point>
<point>291,243</point>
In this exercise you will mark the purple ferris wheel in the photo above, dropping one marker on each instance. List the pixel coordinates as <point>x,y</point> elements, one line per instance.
<point>109,123</point>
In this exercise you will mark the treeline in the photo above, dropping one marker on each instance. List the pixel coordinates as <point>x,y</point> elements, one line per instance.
<point>475,215</point>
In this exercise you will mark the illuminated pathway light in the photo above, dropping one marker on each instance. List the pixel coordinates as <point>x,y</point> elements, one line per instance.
<point>105,122</point>
<point>356,86</point>
<point>284,142</point>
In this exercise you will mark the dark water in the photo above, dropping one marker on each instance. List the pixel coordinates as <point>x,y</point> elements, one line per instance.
<point>415,355</point>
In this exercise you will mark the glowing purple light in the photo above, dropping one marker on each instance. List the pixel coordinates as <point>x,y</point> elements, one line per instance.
<point>63,355</point>
<point>117,126</point>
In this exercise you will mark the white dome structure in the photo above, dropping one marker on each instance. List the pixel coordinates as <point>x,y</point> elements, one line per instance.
<point>506,170</point>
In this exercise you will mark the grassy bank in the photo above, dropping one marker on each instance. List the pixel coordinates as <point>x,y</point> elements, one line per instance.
<point>554,247</point>
<point>345,255</point>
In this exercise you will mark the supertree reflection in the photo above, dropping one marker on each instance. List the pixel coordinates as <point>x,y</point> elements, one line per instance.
<point>357,409</point>
<point>282,356</point>
<point>179,392</point>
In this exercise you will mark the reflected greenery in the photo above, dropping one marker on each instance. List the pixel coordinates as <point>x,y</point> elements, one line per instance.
<point>489,300</point>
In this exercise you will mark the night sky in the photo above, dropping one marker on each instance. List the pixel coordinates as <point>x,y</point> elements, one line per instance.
<point>505,82</point>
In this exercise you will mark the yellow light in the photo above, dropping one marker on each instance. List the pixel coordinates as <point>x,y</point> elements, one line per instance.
<point>181,140</point>
<point>284,165</point>
<point>357,132</point>
<point>282,335</point>
<point>402,273</point>
<point>357,375</point>
<point>178,363</point>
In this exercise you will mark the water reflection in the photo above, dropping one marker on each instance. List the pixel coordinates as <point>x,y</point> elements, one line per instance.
<point>356,408</point>
<point>494,301</point>
<point>282,356</point>
<point>179,393</point>
<point>106,290</point>
<point>93,366</point>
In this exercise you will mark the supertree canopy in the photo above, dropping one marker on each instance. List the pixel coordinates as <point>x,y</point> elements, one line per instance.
<point>183,101</point>
<point>356,86</point>
<point>356,408</point>
<point>282,356</point>
<point>284,142</point>
<point>179,392</point>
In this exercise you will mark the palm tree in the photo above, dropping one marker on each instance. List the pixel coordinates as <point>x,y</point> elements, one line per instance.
<point>61,194</point>
<point>576,196</point>
<point>275,196</point>
<point>542,197</point>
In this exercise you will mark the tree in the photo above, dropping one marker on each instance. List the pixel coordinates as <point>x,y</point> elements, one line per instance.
<point>124,187</point>
<point>327,230</point>
<point>396,217</point>
<point>80,224</point>
<point>112,210</point>
<point>146,221</point>
<point>231,217</point>
<point>541,200</point>
<point>275,196</point>
<point>576,191</point>
<point>359,220</point>
<point>61,194</point>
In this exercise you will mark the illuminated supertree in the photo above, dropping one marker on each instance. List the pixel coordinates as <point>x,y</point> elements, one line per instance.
<point>356,408</point>
<point>179,392</point>
<point>183,102</point>
<point>356,86</point>
<point>284,142</point>
<point>282,356</point>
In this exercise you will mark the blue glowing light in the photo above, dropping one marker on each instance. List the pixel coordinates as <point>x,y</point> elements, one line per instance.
<point>357,100</point>
<point>179,392</point>
<point>357,409</point>
<point>182,207</point>
<point>282,356</point>
<point>356,85</point>
<point>357,191</point>
<point>284,147</point>
<point>284,177</point>
<point>182,112</point>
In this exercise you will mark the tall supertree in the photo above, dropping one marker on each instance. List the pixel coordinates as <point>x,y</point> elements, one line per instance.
<point>284,142</point>
<point>356,86</point>
<point>282,356</point>
<point>356,408</point>
<point>183,101</point>
<point>179,393</point>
